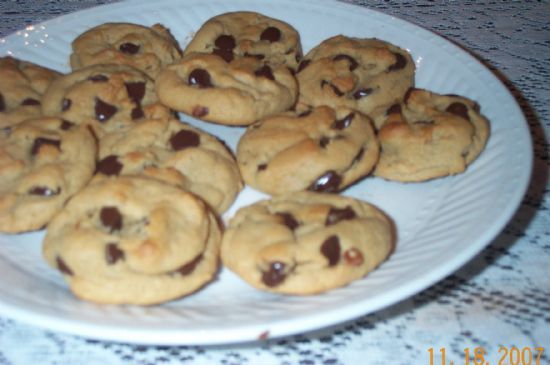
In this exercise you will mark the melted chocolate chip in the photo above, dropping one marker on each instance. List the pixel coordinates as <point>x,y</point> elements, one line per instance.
<point>266,72</point>
<point>331,250</point>
<point>200,111</point>
<point>224,53</point>
<point>361,93</point>
<point>336,215</point>
<point>344,122</point>
<point>352,62</point>
<point>109,166</point>
<point>271,34</point>
<point>129,48</point>
<point>66,104</point>
<point>200,78</point>
<point>225,41</point>
<point>275,275</point>
<point>289,220</point>
<point>184,139</point>
<point>303,65</point>
<point>66,125</point>
<point>353,257</point>
<point>262,167</point>
<point>324,141</point>
<point>329,182</point>
<point>44,191</point>
<point>399,64</point>
<point>336,91</point>
<point>458,109</point>
<point>394,109</point>
<point>137,113</point>
<point>62,266</point>
<point>111,218</point>
<point>2,103</point>
<point>189,267</point>
<point>98,78</point>
<point>41,141</point>
<point>136,90</point>
<point>113,253</point>
<point>30,101</point>
<point>103,110</point>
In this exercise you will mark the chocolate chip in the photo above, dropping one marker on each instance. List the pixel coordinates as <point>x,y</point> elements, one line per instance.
<point>113,253</point>
<point>200,78</point>
<point>41,141</point>
<point>103,110</point>
<point>184,139</point>
<point>352,62</point>
<point>137,113</point>
<point>66,125</point>
<point>262,167</point>
<point>224,53</point>
<point>266,72</point>
<point>305,113</point>
<point>303,65</point>
<point>324,141</point>
<point>66,104</point>
<point>275,275</point>
<point>353,257</point>
<point>136,90</point>
<point>109,166</point>
<point>394,109</point>
<point>200,111</point>
<point>458,109</point>
<point>44,191</point>
<point>259,57</point>
<point>62,266</point>
<point>344,122</point>
<point>361,93</point>
<point>336,215</point>
<point>271,34</point>
<point>30,101</point>
<point>111,218</point>
<point>289,220</point>
<point>2,103</point>
<point>98,78</point>
<point>129,48</point>
<point>331,250</point>
<point>399,64</point>
<point>189,267</point>
<point>333,87</point>
<point>225,41</point>
<point>329,182</point>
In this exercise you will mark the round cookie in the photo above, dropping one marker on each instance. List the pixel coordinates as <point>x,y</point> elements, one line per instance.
<point>175,152</point>
<point>108,97</point>
<point>364,74</point>
<point>148,49</point>
<point>320,150</point>
<point>430,136</point>
<point>248,34</point>
<point>306,243</point>
<point>134,240</point>
<point>43,162</point>
<point>236,93</point>
<point>21,89</point>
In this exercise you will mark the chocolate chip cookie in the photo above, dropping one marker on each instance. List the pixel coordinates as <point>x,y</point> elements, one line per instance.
<point>43,162</point>
<point>322,149</point>
<point>306,243</point>
<point>107,97</point>
<point>429,136</point>
<point>177,153</point>
<point>148,49</point>
<point>248,34</point>
<point>21,89</point>
<point>237,93</point>
<point>134,240</point>
<point>364,74</point>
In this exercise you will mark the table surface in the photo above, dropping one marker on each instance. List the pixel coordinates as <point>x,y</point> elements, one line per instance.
<point>499,300</point>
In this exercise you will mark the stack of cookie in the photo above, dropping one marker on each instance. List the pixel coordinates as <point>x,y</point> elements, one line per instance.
<point>131,196</point>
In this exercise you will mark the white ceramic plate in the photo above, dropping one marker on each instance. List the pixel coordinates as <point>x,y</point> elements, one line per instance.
<point>441,224</point>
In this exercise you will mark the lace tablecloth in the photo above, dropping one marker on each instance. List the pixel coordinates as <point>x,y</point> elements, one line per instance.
<point>499,301</point>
